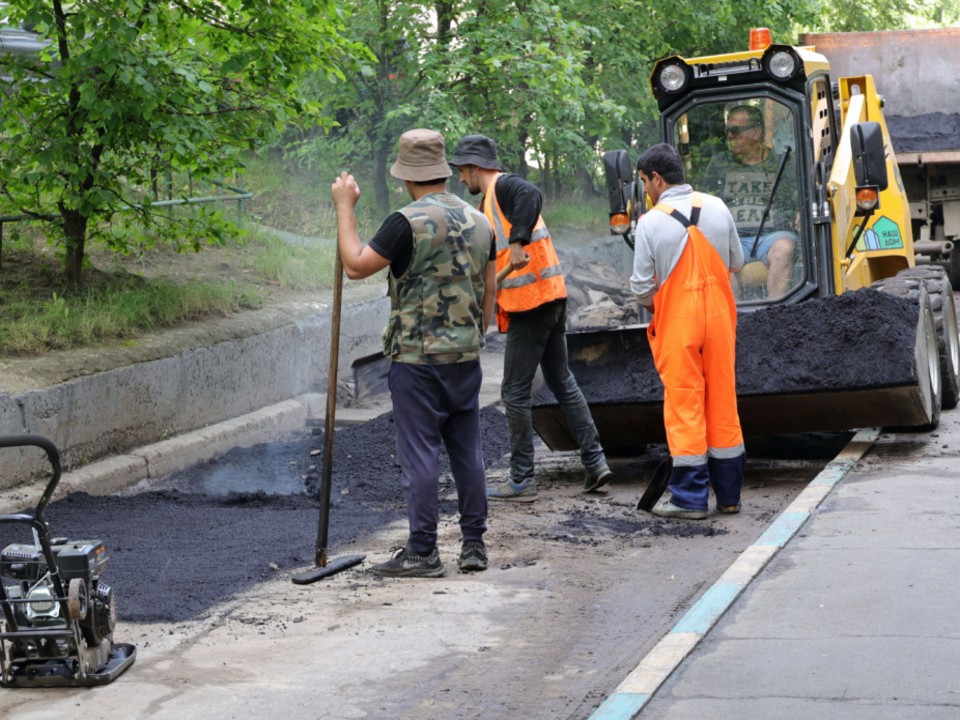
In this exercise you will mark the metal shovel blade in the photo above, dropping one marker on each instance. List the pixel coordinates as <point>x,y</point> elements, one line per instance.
<point>332,568</point>
<point>370,374</point>
<point>658,484</point>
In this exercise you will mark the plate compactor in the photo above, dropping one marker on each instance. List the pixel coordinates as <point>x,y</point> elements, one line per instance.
<point>58,616</point>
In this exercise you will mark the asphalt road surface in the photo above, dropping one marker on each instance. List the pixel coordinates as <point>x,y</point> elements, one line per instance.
<point>580,588</point>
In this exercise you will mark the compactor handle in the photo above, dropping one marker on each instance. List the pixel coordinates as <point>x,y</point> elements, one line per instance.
<point>52,453</point>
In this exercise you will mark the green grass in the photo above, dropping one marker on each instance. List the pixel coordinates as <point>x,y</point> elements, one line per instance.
<point>135,294</point>
<point>111,313</point>
<point>588,214</point>
<point>295,267</point>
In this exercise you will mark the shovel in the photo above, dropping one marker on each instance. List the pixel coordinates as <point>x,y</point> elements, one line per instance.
<point>370,371</point>
<point>658,484</point>
<point>325,568</point>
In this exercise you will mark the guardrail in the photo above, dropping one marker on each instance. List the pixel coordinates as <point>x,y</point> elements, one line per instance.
<point>239,195</point>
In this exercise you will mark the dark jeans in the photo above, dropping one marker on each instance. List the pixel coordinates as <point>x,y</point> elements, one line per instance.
<point>537,338</point>
<point>434,404</point>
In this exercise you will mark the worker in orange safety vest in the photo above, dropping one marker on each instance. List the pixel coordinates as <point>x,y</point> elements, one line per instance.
<point>531,310</point>
<point>685,249</point>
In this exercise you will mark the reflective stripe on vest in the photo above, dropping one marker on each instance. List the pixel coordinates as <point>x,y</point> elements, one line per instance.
<point>541,281</point>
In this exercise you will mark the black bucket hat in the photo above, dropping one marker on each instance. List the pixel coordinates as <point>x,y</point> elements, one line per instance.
<point>476,150</point>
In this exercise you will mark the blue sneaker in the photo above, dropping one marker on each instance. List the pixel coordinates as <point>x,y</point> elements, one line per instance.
<point>524,492</point>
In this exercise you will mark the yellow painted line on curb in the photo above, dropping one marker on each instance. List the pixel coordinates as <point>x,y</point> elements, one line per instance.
<point>631,695</point>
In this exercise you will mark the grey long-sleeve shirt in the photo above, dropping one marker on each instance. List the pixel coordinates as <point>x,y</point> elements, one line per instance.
<point>660,240</point>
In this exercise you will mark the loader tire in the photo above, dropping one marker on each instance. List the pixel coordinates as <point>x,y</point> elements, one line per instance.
<point>926,356</point>
<point>938,287</point>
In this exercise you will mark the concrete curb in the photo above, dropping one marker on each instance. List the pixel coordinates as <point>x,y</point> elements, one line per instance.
<point>103,402</point>
<point>115,473</point>
<point>630,697</point>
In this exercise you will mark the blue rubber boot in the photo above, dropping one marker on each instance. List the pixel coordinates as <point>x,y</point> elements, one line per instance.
<point>689,488</point>
<point>726,478</point>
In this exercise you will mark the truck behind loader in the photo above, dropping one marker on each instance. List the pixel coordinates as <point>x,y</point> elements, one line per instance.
<point>832,187</point>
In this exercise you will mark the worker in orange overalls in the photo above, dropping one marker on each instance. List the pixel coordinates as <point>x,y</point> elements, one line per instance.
<point>685,249</point>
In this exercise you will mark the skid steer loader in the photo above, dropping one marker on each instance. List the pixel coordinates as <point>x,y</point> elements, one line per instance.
<point>831,193</point>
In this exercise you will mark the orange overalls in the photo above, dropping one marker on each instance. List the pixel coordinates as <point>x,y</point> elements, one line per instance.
<point>693,339</point>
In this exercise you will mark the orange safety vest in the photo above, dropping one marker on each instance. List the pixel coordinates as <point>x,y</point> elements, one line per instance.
<point>693,338</point>
<point>540,281</point>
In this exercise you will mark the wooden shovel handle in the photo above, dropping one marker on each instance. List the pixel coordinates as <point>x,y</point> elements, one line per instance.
<point>503,273</point>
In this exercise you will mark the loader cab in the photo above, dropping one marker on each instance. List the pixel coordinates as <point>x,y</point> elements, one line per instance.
<point>758,130</point>
<point>743,149</point>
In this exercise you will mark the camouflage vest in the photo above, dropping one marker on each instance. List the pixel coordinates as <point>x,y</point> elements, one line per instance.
<point>435,314</point>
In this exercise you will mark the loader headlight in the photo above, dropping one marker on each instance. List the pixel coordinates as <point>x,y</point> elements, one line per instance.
<point>672,76</point>
<point>781,63</point>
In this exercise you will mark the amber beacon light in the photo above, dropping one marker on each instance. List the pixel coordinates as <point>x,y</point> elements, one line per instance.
<point>760,38</point>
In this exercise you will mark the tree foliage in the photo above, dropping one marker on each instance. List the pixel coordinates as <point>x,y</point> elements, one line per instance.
<point>852,16</point>
<point>126,91</point>
<point>553,81</point>
<point>129,90</point>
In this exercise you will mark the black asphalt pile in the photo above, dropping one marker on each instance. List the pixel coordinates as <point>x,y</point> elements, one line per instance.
<point>925,133</point>
<point>224,525</point>
<point>858,339</point>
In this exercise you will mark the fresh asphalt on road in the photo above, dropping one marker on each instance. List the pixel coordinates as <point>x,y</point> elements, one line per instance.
<point>842,608</point>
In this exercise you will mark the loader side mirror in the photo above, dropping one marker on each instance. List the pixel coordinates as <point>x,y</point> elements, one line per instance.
<point>619,174</point>
<point>621,189</point>
<point>869,159</point>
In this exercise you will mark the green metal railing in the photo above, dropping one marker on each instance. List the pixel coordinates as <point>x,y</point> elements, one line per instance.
<point>239,195</point>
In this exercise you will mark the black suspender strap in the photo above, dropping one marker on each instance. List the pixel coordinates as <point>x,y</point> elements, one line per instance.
<point>678,216</point>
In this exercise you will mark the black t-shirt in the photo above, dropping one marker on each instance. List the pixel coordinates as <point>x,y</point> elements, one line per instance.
<point>521,203</point>
<point>394,241</point>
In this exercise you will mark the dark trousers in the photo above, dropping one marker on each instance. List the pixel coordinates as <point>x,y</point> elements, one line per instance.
<point>538,338</point>
<point>434,404</point>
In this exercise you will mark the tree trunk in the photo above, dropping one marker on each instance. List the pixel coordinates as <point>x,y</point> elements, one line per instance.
<point>546,177</point>
<point>75,232</point>
<point>522,170</point>
<point>381,192</point>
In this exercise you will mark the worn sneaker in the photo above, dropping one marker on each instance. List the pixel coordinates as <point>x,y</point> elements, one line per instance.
<point>406,563</point>
<point>514,492</point>
<point>597,478</point>
<point>669,510</point>
<point>473,556</point>
<point>728,509</point>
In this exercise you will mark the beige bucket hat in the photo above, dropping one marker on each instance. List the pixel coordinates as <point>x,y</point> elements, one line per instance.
<point>423,156</point>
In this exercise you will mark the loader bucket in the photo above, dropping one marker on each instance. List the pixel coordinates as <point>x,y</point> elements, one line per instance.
<point>861,359</point>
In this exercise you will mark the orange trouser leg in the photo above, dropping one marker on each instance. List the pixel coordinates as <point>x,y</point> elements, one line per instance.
<point>720,406</point>
<point>681,369</point>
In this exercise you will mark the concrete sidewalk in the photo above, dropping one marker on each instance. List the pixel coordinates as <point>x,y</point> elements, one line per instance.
<point>855,617</point>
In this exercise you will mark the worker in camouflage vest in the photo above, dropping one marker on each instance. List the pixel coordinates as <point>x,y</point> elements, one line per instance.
<point>442,284</point>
